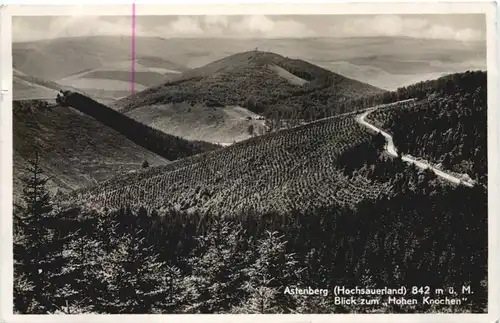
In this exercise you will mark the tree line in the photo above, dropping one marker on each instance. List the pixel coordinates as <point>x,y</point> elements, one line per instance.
<point>168,146</point>
<point>318,103</point>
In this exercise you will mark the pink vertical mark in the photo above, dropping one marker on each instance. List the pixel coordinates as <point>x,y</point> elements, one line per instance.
<point>132,80</point>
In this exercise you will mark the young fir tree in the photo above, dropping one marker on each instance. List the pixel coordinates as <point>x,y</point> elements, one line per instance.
<point>169,296</point>
<point>84,262</point>
<point>315,304</point>
<point>273,271</point>
<point>217,270</point>
<point>37,245</point>
<point>128,277</point>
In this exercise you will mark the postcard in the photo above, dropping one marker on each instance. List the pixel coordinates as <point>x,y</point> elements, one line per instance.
<point>305,163</point>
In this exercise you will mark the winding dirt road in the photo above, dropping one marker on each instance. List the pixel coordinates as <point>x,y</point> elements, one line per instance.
<point>391,150</point>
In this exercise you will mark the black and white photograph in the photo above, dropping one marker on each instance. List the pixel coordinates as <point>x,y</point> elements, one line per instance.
<point>250,163</point>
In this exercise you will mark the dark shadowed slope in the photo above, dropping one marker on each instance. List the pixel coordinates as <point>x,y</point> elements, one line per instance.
<point>166,145</point>
<point>75,149</point>
<point>211,98</point>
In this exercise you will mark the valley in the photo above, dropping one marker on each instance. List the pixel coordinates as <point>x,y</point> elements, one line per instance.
<point>231,154</point>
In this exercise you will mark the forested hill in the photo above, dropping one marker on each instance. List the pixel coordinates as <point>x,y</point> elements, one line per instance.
<point>168,146</point>
<point>262,82</point>
<point>453,84</point>
<point>447,125</point>
<point>457,83</point>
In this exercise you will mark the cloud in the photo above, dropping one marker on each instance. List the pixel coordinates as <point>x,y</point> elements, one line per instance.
<point>241,27</point>
<point>215,20</point>
<point>265,27</point>
<point>24,29</point>
<point>390,25</point>
<point>466,34</point>
<point>254,26</point>
<point>185,26</point>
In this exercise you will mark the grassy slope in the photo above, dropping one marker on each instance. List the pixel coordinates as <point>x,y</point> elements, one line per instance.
<point>90,64</point>
<point>279,171</point>
<point>114,80</point>
<point>28,87</point>
<point>206,96</point>
<point>75,149</point>
<point>199,122</point>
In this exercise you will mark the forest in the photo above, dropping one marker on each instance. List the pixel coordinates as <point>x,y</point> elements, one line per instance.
<point>130,260</point>
<point>168,146</point>
<point>447,127</point>
<point>321,103</point>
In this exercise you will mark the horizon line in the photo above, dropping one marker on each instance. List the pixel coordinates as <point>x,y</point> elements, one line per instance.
<point>248,38</point>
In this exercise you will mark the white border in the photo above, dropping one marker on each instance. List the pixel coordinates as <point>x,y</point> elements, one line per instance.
<point>319,7</point>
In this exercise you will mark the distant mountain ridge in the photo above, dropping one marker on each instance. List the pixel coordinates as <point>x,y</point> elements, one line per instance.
<point>386,62</point>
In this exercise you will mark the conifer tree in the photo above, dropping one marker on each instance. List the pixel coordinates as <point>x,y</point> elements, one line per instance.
<point>168,297</point>
<point>37,248</point>
<point>217,270</point>
<point>315,304</point>
<point>85,259</point>
<point>129,278</point>
<point>272,272</point>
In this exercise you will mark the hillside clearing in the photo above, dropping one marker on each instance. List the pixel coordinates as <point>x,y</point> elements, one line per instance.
<point>197,122</point>
<point>293,79</point>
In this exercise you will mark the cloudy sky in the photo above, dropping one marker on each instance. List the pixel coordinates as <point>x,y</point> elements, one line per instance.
<point>439,26</point>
